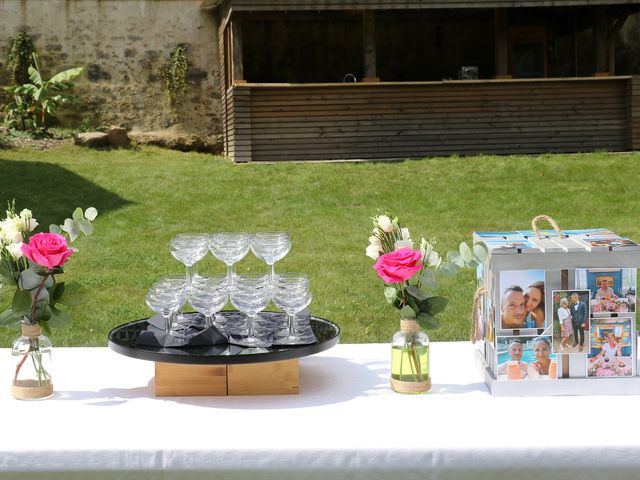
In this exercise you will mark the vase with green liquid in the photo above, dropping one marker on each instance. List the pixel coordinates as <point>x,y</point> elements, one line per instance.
<point>410,359</point>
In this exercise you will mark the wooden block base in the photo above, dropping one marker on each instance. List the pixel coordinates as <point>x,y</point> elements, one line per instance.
<point>272,378</point>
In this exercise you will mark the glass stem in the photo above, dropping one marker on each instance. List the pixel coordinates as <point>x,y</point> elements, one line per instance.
<point>231,272</point>
<point>191,271</point>
<point>209,320</point>
<point>272,273</point>
<point>250,319</point>
<point>292,324</point>
<point>167,322</point>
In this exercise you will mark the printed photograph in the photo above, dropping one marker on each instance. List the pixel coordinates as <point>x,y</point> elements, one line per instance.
<point>613,242</point>
<point>613,290</point>
<point>611,351</point>
<point>522,299</point>
<point>571,321</point>
<point>526,358</point>
<point>506,246</point>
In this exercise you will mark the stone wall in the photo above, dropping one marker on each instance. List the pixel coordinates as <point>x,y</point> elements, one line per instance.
<point>122,44</point>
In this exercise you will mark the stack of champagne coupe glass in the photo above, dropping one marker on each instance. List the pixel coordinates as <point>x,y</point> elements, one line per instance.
<point>249,293</point>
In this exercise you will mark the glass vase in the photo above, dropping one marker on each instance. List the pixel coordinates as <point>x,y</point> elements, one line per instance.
<point>31,373</point>
<point>410,359</point>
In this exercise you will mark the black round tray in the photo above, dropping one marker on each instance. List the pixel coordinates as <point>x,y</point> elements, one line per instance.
<point>122,340</point>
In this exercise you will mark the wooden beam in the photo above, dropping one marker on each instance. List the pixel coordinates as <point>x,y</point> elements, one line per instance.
<point>634,112</point>
<point>501,48</point>
<point>369,45</point>
<point>601,43</point>
<point>236,50</point>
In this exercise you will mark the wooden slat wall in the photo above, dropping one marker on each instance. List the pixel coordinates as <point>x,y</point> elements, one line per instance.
<point>634,107</point>
<point>383,121</point>
<point>257,5</point>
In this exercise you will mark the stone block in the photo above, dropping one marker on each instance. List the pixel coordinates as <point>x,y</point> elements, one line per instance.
<point>118,137</point>
<point>91,139</point>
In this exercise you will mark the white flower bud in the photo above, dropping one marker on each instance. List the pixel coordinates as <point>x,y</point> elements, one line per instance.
<point>373,240</point>
<point>385,224</point>
<point>403,244</point>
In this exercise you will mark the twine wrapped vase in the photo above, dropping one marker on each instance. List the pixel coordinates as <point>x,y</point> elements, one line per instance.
<point>410,359</point>
<point>31,374</point>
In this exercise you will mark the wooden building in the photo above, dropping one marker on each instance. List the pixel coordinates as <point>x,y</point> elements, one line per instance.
<point>384,79</point>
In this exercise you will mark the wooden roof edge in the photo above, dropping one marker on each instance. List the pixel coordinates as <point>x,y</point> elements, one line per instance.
<point>243,5</point>
<point>210,4</point>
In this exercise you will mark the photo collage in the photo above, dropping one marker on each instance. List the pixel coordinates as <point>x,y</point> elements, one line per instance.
<point>530,325</point>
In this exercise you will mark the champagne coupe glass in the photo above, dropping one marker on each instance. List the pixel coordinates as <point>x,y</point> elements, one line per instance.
<point>189,248</point>
<point>208,297</point>
<point>291,300</point>
<point>250,295</point>
<point>229,248</point>
<point>271,247</point>
<point>166,301</point>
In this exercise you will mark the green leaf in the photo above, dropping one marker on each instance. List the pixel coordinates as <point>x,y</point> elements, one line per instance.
<point>31,279</point>
<point>407,313</point>
<point>390,294</point>
<point>72,228</point>
<point>428,322</point>
<point>67,75</point>
<point>21,303</point>
<point>434,305</point>
<point>46,329</point>
<point>74,294</point>
<point>417,293</point>
<point>56,293</point>
<point>43,310</point>
<point>6,296</point>
<point>78,214</point>
<point>90,214</point>
<point>9,318</point>
<point>55,229</point>
<point>59,319</point>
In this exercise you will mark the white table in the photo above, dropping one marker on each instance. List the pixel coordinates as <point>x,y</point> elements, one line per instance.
<point>104,422</point>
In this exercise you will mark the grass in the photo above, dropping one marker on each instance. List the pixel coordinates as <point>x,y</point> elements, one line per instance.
<point>146,197</point>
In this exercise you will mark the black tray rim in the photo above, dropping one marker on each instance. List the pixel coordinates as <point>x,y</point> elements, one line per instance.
<point>198,359</point>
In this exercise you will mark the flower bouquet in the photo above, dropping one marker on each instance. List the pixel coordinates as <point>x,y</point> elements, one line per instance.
<point>410,281</point>
<point>30,293</point>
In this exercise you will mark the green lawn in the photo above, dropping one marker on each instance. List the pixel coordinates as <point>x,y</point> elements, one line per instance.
<point>147,196</point>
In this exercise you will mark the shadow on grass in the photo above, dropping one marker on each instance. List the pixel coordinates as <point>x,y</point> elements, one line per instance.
<point>51,192</point>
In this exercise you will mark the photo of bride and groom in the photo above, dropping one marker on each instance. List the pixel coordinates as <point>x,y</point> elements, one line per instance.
<point>522,304</point>
<point>571,321</point>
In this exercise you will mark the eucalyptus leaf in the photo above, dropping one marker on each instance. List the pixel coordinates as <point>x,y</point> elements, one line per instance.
<point>55,229</point>
<point>85,226</point>
<point>78,214</point>
<point>72,228</point>
<point>90,214</point>
<point>46,329</point>
<point>31,278</point>
<point>465,253</point>
<point>390,294</point>
<point>428,322</point>
<point>21,303</point>
<point>428,279</point>
<point>6,296</point>
<point>434,305</point>
<point>56,293</point>
<point>480,251</point>
<point>417,292</point>
<point>74,294</point>
<point>407,313</point>
<point>9,317</point>
<point>60,319</point>
<point>43,310</point>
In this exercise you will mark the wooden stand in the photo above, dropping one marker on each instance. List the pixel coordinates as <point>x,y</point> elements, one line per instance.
<point>272,378</point>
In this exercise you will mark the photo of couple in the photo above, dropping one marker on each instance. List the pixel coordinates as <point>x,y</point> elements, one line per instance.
<point>526,358</point>
<point>522,304</point>
<point>571,321</point>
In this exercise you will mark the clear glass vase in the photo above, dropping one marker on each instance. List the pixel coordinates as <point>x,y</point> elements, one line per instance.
<point>410,359</point>
<point>31,374</point>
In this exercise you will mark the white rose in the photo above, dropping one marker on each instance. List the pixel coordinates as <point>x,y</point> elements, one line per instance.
<point>372,252</point>
<point>384,222</point>
<point>405,234</point>
<point>403,244</point>
<point>10,232</point>
<point>373,240</point>
<point>15,250</point>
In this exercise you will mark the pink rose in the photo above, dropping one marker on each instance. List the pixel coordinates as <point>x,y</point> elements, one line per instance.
<point>399,265</point>
<point>47,250</point>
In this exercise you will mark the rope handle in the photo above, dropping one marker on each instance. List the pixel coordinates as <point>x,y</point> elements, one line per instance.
<point>476,330</point>
<point>554,224</point>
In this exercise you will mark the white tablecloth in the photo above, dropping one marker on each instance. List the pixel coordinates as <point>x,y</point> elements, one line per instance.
<point>104,422</point>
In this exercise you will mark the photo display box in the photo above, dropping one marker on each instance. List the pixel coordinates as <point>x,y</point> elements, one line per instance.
<point>558,316</point>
